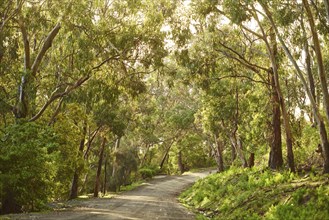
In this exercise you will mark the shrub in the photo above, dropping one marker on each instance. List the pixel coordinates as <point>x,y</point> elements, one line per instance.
<point>27,168</point>
<point>259,194</point>
<point>148,172</point>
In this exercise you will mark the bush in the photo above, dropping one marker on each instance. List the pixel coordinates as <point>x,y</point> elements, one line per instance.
<point>305,203</point>
<point>258,194</point>
<point>27,169</point>
<point>148,172</point>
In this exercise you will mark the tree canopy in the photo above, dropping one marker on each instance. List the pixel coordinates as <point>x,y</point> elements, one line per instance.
<point>95,95</point>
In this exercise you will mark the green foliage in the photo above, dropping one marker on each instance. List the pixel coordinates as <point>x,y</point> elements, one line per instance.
<point>68,129</point>
<point>308,143</point>
<point>236,10</point>
<point>148,172</point>
<point>125,163</point>
<point>304,203</point>
<point>27,158</point>
<point>257,193</point>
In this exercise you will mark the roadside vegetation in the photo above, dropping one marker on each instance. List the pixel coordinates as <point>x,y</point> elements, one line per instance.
<point>97,95</point>
<point>260,194</point>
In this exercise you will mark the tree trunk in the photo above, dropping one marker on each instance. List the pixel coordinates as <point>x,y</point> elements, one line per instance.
<point>233,153</point>
<point>74,186</point>
<point>318,54</point>
<point>99,168</point>
<point>309,74</point>
<point>83,185</point>
<point>27,91</point>
<point>180,162</point>
<point>323,81</point>
<point>219,154</point>
<point>105,175</point>
<point>75,181</point>
<point>166,154</point>
<point>275,158</point>
<point>325,146</point>
<point>236,143</point>
<point>285,115</point>
<point>240,152</point>
<point>116,146</point>
<point>234,136</point>
<point>317,115</point>
<point>251,160</point>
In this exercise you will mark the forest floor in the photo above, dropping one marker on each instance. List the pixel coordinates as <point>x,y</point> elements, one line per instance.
<point>156,199</point>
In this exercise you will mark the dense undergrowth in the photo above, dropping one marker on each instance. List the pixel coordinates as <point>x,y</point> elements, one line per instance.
<point>259,194</point>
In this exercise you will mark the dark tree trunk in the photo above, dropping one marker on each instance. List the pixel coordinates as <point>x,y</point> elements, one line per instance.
<point>74,186</point>
<point>325,146</point>
<point>105,175</point>
<point>99,168</point>
<point>316,112</point>
<point>285,115</point>
<point>75,181</point>
<point>251,160</point>
<point>275,159</point>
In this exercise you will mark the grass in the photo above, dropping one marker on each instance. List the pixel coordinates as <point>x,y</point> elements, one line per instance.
<point>132,186</point>
<point>259,194</point>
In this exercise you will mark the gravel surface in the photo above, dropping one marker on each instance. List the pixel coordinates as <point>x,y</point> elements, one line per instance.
<point>156,199</point>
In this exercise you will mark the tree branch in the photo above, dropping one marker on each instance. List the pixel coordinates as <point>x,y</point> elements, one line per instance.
<point>55,95</point>
<point>93,135</point>
<point>27,56</point>
<point>240,76</point>
<point>46,45</point>
<point>241,59</point>
<point>58,108</point>
<point>105,61</point>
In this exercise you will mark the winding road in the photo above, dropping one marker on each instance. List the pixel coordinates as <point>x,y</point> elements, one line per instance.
<point>156,199</point>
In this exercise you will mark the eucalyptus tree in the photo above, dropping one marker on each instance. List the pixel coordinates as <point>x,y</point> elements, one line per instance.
<point>250,14</point>
<point>245,48</point>
<point>299,10</point>
<point>63,50</point>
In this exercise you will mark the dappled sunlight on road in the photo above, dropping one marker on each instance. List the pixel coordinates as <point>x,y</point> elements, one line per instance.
<point>156,199</point>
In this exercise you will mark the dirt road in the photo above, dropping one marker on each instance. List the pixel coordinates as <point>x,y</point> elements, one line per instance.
<point>156,199</point>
